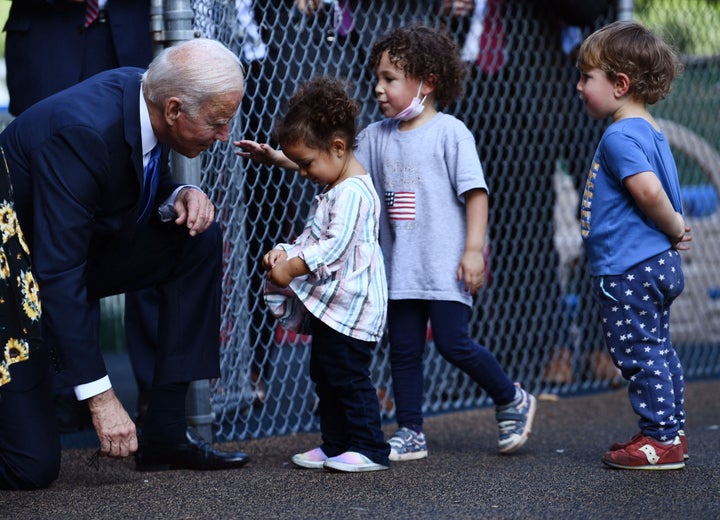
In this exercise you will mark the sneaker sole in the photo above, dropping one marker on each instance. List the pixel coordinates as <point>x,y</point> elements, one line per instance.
<point>353,468</point>
<point>308,464</point>
<point>404,457</point>
<point>526,433</point>
<point>658,467</point>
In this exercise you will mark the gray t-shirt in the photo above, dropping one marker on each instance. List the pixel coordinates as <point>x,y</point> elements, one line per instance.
<point>422,174</point>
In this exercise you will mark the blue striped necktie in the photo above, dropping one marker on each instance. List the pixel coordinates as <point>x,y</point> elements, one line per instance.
<point>150,184</point>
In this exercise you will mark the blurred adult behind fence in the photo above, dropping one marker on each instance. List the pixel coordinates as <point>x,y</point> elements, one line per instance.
<point>103,215</point>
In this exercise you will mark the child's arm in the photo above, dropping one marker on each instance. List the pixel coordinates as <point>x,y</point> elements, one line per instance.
<point>263,153</point>
<point>652,200</point>
<point>472,263</point>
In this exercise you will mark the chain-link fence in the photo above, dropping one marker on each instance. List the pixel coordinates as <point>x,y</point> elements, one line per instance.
<point>535,142</point>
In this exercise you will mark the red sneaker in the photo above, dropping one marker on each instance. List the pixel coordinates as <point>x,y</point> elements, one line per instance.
<point>647,453</point>
<point>681,434</point>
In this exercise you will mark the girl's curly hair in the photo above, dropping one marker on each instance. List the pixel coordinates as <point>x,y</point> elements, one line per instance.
<point>420,51</point>
<point>319,111</point>
<point>632,49</point>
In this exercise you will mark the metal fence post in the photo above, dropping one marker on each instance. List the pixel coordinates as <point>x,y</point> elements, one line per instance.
<point>625,9</point>
<point>171,22</point>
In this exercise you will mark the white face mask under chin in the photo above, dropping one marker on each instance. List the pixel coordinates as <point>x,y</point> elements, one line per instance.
<point>414,109</point>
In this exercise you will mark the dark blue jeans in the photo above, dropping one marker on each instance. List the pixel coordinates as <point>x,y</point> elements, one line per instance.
<point>407,324</point>
<point>349,408</point>
<point>29,437</point>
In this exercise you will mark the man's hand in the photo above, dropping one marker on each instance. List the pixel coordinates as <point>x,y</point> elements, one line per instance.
<point>113,426</point>
<point>194,209</point>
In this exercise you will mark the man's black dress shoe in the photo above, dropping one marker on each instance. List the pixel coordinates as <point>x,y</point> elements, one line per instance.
<point>193,454</point>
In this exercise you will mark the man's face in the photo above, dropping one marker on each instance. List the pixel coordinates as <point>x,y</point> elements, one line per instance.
<point>190,135</point>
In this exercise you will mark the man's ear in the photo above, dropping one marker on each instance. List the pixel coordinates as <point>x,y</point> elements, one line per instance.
<point>621,84</point>
<point>173,108</point>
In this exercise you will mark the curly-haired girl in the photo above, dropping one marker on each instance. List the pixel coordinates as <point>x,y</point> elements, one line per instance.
<point>334,275</point>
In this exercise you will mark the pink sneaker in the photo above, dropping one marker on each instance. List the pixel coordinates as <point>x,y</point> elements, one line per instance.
<point>313,459</point>
<point>352,462</point>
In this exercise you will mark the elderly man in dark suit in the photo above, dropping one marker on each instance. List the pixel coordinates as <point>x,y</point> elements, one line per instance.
<point>101,219</point>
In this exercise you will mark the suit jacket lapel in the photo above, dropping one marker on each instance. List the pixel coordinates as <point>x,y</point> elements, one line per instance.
<point>131,109</point>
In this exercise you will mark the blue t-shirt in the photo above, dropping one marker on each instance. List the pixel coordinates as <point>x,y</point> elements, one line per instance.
<point>616,233</point>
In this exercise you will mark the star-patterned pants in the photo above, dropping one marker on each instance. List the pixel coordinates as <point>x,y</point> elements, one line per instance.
<point>635,311</point>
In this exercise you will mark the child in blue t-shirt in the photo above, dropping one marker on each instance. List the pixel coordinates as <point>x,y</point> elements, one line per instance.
<point>632,226</point>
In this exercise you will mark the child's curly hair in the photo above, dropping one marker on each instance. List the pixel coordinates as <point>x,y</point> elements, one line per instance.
<point>319,111</point>
<point>628,47</point>
<point>420,51</point>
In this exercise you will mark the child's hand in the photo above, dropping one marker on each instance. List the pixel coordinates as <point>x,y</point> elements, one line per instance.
<point>680,244</point>
<point>257,152</point>
<point>264,154</point>
<point>458,7</point>
<point>273,257</point>
<point>281,274</point>
<point>472,270</point>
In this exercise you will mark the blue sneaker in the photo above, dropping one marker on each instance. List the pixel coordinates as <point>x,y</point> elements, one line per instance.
<point>406,444</point>
<point>515,421</point>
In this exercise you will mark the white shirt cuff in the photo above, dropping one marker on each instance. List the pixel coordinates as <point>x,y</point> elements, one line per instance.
<point>88,390</point>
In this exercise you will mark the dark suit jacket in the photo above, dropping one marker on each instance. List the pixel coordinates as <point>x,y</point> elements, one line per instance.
<point>75,161</point>
<point>46,45</point>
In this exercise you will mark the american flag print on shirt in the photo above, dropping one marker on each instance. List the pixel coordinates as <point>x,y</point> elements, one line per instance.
<point>400,205</point>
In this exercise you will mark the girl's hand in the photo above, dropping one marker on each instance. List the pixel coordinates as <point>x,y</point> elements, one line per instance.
<point>264,154</point>
<point>281,274</point>
<point>258,152</point>
<point>472,270</point>
<point>273,257</point>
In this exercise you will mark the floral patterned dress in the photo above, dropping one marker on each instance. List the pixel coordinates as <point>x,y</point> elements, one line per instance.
<point>20,309</point>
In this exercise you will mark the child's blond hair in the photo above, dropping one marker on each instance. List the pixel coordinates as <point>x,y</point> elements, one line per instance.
<point>628,47</point>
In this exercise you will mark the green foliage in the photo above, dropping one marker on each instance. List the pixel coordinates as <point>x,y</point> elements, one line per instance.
<point>4,10</point>
<point>691,25</point>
